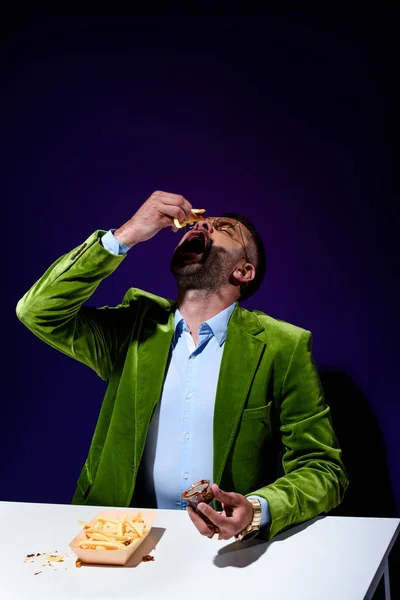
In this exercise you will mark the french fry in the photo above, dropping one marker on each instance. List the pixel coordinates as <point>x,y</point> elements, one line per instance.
<point>119,528</point>
<point>139,528</point>
<point>106,521</point>
<point>196,216</point>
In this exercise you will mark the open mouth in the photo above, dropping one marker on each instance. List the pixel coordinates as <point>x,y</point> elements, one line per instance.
<point>194,244</point>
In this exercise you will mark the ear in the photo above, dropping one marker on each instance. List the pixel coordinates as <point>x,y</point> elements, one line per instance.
<point>244,273</point>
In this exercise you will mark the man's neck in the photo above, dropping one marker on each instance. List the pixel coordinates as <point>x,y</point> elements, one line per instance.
<point>197,306</point>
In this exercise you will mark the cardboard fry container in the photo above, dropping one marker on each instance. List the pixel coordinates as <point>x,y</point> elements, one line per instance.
<point>113,557</point>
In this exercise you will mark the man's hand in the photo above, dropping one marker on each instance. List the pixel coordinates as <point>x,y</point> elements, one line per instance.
<point>237,514</point>
<point>157,212</point>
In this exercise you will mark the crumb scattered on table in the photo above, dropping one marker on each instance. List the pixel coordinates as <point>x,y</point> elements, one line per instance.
<point>54,558</point>
<point>50,560</point>
<point>147,558</point>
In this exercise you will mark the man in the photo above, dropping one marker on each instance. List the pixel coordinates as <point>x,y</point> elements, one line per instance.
<point>196,389</point>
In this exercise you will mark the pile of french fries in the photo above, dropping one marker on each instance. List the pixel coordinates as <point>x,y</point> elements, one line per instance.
<point>109,534</point>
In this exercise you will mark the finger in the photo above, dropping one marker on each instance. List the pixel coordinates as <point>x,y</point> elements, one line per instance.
<point>177,200</point>
<point>229,498</point>
<point>199,523</point>
<point>218,519</point>
<point>172,212</point>
<point>228,525</point>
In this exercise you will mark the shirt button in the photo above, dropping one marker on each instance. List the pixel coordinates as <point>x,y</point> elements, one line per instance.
<point>189,395</point>
<point>186,475</point>
<point>187,436</point>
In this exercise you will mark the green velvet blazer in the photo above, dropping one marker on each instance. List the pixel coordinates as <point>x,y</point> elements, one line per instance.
<point>273,434</point>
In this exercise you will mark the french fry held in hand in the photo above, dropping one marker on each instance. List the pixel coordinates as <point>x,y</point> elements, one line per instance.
<point>196,216</point>
<point>112,534</point>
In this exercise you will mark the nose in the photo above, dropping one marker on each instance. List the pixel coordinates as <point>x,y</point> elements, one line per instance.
<point>204,224</point>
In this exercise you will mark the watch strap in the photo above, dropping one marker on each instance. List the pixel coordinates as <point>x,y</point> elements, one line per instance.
<point>251,530</point>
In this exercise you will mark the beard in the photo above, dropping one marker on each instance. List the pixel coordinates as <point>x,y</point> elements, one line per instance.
<point>210,273</point>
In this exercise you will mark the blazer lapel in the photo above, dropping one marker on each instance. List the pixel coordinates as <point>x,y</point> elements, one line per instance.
<point>153,351</point>
<point>240,360</point>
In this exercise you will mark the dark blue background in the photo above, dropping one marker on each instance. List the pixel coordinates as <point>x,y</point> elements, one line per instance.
<point>281,119</point>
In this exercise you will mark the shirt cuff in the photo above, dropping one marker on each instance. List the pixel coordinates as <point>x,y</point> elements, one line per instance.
<point>265,514</point>
<point>111,244</point>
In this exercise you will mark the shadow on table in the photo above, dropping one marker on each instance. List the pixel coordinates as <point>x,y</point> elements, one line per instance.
<point>146,547</point>
<point>242,555</point>
<point>239,555</point>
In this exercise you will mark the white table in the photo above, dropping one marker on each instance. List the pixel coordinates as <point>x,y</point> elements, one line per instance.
<point>328,558</point>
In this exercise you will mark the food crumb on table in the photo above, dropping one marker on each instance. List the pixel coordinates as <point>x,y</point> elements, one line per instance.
<point>50,560</point>
<point>54,558</point>
<point>147,558</point>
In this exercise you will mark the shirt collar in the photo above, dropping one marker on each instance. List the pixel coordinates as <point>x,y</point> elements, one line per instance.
<point>218,323</point>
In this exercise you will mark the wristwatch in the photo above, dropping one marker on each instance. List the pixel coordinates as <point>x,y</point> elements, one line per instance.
<point>254,527</point>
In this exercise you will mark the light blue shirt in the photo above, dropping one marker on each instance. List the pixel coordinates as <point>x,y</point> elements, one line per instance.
<point>179,443</point>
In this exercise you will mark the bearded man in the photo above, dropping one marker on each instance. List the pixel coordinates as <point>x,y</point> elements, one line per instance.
<point>198,387</point>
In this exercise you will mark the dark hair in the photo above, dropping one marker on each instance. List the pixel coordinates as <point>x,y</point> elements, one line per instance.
<point>256,254</point>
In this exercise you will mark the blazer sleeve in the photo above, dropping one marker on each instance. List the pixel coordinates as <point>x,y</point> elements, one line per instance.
<point>53,308</point>
<point>314,479</point>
